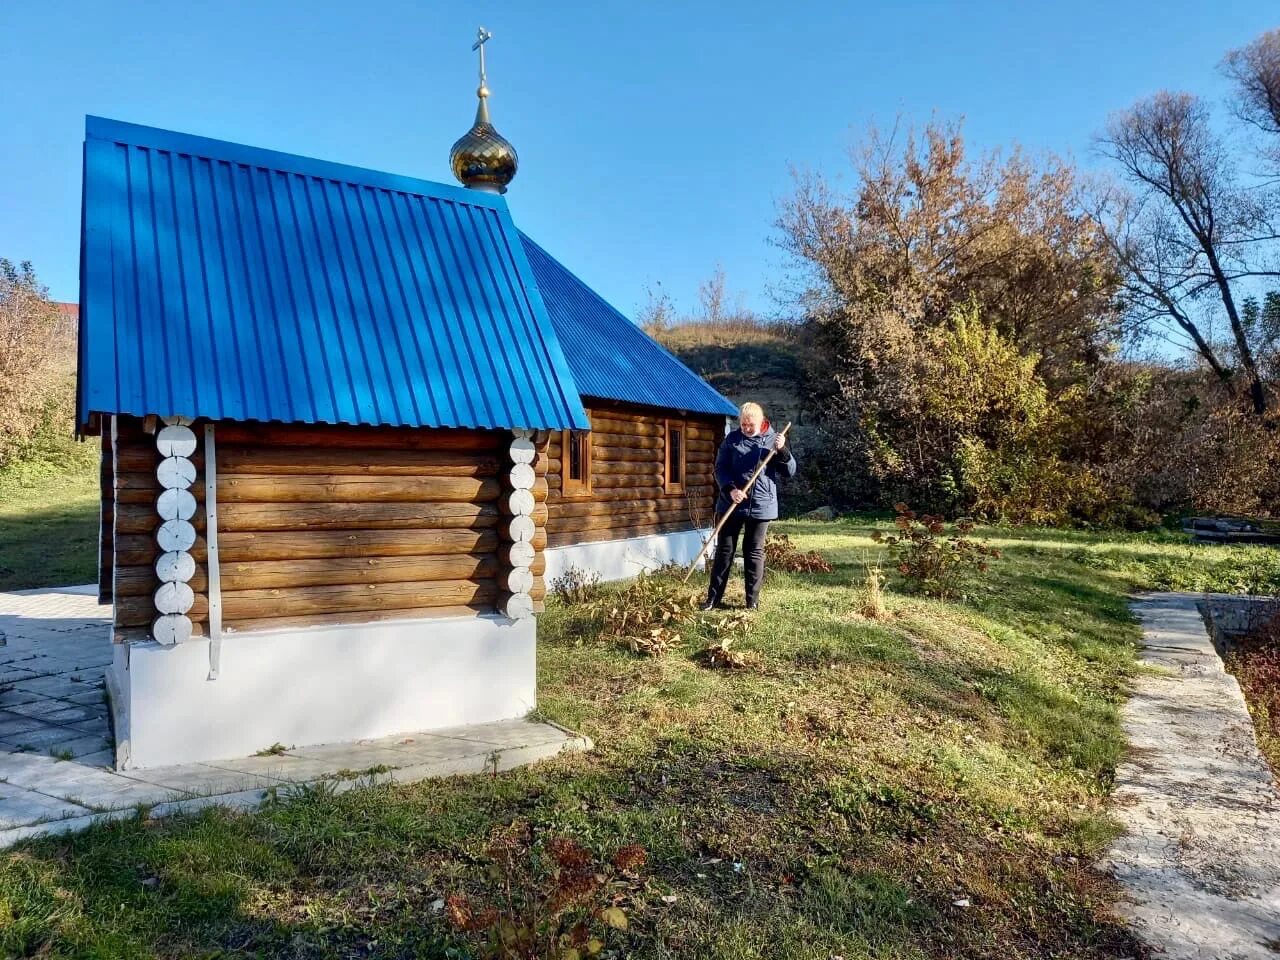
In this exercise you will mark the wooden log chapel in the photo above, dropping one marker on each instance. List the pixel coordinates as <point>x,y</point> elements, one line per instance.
<point>352,424</point>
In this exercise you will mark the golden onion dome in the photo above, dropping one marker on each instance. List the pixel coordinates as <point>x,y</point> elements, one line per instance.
<point>483,158</point>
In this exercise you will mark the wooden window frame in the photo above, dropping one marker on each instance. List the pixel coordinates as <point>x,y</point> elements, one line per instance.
<point>676,487</point>
<point>570,488</point>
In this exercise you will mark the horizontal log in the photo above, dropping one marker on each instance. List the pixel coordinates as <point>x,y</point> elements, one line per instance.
<point>539,517</point>
<point>140,580</point>
<point>258,624</point>
<point>619,522</point>
<point>634,481</point>
<point>354,516</point>
<point>353,488</point>
<point>614,453</point>
<point>142,518</point>
<point>306,601</point>
<point>617,505</point>
<point>236,459</point>
<point>634,441</point>
<point>629,411</point>
<point>700,495</point>
<point>602,467</point>
<point>699,432</point>
<point>564,538</point>
<point>317,544</point>
<point>406,438</point>
<point>137,491</point>
<point>140,611</point>
<point>199,628</point>
<point>320,544</point>
<point>333,571</point>
<point>538,491</point>
<point>142,456</point>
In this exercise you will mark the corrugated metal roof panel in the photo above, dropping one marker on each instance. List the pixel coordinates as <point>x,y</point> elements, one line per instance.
<point>223,281</point>
<point>611,358</point>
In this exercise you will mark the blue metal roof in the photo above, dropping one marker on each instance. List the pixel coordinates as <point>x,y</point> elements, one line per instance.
<point>223,281</point>
<point>611,358</point>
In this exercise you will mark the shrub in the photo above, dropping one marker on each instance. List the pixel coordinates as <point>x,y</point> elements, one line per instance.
<point>646,615</point>
<point>872,606</point>
<point>576,586</point>
<point>781,554</point>
<point>555,901</point>
<point>933,562</point>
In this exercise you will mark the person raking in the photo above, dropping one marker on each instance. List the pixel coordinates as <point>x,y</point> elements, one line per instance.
<point>740,454</point>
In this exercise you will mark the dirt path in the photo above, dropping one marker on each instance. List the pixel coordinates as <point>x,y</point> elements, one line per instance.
<point>1200,857</point>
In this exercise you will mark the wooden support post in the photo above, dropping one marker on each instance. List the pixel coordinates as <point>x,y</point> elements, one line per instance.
<point>212,564</point>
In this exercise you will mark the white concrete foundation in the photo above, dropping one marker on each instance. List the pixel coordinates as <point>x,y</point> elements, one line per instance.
<point>318,685</point>
<point>618,559</point>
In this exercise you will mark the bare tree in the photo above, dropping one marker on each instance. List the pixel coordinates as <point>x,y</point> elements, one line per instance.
<point>712,297</point>
<point>1255,68</point>
<point>1188,232</point>
<point>658,312</point>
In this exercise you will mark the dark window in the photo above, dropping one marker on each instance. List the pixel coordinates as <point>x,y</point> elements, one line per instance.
<point>575,457</point>
<point>675,456</point>
<point>576,463</point>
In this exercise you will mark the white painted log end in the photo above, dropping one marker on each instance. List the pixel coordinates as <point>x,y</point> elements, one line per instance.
<point>518,580</point>
<point>522,476</point>
<point>176,442</point>
<point>520,503</point>
<point>521,529</point>
<point>172,628</point>
<point>175,567</point>
<point>523,450</point>
<point>522,554</point>
<point>176,535</point>
<point>176,473</point>
<point>518,606</point>
<point>175,504</point>
<point>175,597</point>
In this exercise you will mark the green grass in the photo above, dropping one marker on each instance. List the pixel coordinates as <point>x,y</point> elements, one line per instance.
<point>841,799</point>
<point>49,515</point>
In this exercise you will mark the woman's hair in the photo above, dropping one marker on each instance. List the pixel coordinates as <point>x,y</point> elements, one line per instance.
<point>750,407</point>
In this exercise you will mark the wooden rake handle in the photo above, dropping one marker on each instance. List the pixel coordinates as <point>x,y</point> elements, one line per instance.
<point>732,506</point>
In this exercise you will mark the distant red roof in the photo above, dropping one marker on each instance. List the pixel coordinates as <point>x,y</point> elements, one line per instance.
<point>70,311</point>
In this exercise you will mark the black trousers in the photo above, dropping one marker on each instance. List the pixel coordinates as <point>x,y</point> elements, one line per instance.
<point>752,553</point>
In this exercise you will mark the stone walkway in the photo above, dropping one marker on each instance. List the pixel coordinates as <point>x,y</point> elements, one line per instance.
<point>56,753</point>
<point>1200,857</point>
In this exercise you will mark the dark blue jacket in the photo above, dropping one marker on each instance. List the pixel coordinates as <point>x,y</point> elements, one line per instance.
<point>738,458</point>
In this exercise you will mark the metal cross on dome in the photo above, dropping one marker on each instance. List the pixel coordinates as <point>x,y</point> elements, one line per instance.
<point>483,36</point>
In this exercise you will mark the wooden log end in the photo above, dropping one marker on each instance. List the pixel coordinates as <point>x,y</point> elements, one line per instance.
<point>171,629</point>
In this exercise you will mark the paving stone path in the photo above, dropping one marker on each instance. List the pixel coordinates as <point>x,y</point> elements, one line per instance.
<point>57,758</point>
<point>1200,857</point>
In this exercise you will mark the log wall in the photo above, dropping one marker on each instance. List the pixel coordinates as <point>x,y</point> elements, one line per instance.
<point>134,490</point>
<point>322,524</point>
<point>628,495</point>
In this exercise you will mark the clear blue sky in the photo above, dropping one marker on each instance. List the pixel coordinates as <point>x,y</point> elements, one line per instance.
<point>655,138</point>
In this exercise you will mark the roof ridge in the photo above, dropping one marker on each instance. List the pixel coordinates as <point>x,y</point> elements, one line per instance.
<point>209,148</point>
